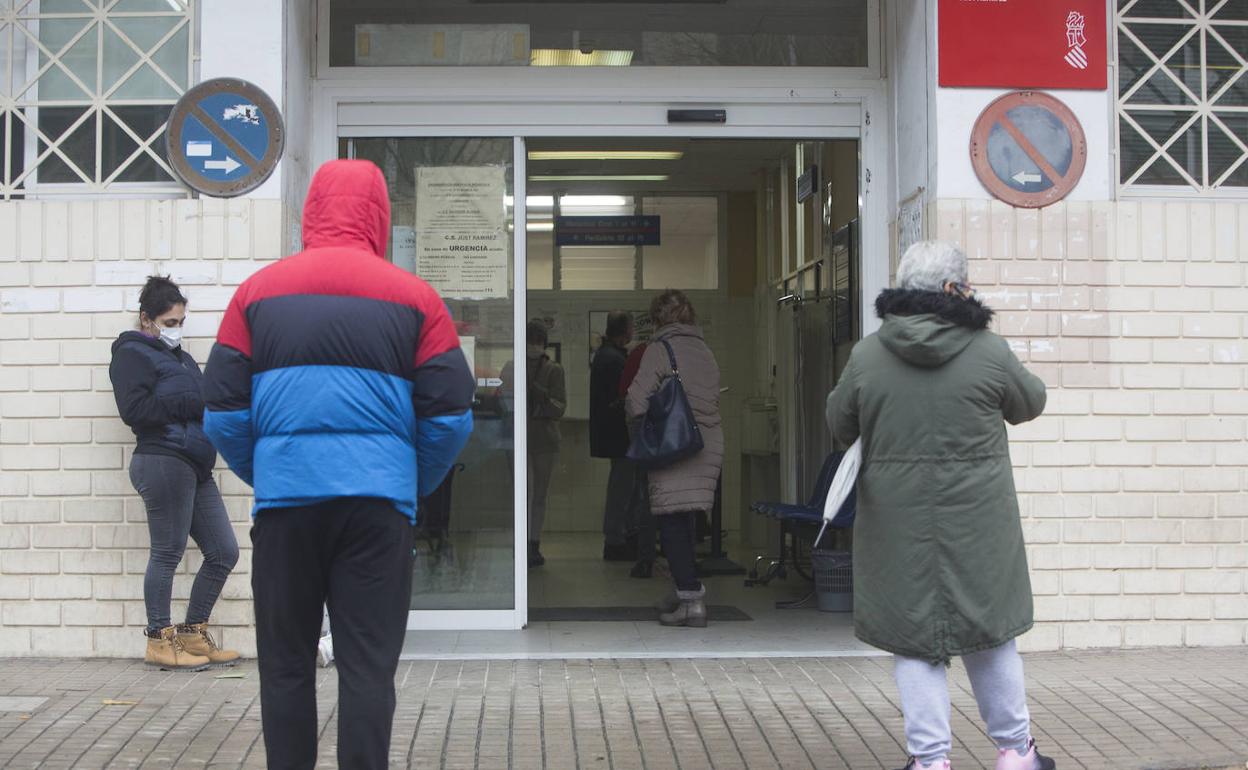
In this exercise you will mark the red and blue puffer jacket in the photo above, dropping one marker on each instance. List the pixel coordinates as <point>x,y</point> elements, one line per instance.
<point>335,373</point>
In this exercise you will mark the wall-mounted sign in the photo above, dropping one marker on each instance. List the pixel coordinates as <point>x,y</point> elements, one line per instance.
<point>697,116</point>
<point>462,245</point>
<point>1028,149</point>
<point>909,222</point>
<point>607,231</point>
<point>225,137</point>
<point>807,183</point>
<point>1023,43</point>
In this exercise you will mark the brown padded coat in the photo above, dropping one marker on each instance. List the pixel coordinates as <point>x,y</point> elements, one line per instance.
<point>687,485</point>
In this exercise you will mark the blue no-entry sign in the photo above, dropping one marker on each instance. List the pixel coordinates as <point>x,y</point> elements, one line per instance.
<point>1028,149</point>
<point>225,137</point>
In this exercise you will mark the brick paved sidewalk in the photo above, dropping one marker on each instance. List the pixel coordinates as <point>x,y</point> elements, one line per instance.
<point>1149,709</point>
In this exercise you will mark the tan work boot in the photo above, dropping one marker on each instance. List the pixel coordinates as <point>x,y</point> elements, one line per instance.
<point>167,653</point>
<point>196,640</point>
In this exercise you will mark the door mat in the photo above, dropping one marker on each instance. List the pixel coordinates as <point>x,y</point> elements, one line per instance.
<point>714,613</point>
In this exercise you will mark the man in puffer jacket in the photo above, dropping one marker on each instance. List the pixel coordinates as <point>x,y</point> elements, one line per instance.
<point>338,390</point>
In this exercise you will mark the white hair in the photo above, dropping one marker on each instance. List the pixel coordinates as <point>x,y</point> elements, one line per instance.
<point>929,265</point>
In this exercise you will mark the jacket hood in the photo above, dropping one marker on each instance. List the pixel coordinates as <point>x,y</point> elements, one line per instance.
<point>140,338</point>
<point>928,328</point>
<point>348,204</point>
<point>678,330</point>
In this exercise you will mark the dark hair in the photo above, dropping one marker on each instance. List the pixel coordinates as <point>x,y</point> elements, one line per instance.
<point>672,307</point>
<point>618,324</point>
<point>159,294</point>
<point>535,333</point>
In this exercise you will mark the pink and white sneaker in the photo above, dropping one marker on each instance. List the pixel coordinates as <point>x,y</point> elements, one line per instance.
<point>1010,759</point>
<point>915,764</point>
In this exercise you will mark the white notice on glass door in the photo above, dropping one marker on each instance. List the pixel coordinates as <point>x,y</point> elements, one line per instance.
<point>461,230</point>
<point>403,247</point>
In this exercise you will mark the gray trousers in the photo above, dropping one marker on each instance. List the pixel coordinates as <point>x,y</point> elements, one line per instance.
<point>997,680</point>
<point>178,505</point>
<point>541,467</point>
<point>619,515</point>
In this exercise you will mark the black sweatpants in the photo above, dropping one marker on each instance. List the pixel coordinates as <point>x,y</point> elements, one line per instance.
<point>354,555</point>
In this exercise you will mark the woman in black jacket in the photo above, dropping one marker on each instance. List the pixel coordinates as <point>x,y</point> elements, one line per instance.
<point>157,387</point>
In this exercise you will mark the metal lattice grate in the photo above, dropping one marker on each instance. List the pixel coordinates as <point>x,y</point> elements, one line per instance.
<point>1183,93</point>
<point>86,87</point>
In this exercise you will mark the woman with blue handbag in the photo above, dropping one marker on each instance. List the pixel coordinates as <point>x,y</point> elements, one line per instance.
<point>673,412</point>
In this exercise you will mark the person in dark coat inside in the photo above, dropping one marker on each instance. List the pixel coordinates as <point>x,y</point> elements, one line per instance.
<point>157,387</point>
<point>609,437</point>
<point>548,399</point>
<point>940,569</point>
<point>338,389</point>
<point>647,528</point>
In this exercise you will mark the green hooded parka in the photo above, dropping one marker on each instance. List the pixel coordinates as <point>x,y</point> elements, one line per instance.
<point>939,564</point>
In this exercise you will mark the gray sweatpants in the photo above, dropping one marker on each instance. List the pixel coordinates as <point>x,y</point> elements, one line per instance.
<point>997,681</point>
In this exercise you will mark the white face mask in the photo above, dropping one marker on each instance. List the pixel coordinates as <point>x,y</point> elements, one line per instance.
<point>171,336</point>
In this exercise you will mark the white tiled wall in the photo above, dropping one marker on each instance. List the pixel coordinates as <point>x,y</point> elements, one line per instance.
<point>73,537</point>
<point>1133,484</point>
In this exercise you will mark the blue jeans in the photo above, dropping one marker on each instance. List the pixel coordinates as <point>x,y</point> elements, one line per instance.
<point>179,504</point>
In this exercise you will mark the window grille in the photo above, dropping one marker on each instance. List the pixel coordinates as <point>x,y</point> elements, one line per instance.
<point>86,88</point>
<point>1183,93</point>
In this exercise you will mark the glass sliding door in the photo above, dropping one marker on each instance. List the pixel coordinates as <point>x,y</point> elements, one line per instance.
<point>452,214</point>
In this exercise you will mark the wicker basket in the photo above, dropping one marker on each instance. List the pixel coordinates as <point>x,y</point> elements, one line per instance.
<point>834,580</point>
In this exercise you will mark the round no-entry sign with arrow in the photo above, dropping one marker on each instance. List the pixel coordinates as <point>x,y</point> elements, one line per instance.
<point>1028,149</point>
<point>225,137</point>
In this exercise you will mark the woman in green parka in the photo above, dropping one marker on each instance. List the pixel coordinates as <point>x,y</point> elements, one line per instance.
<point>939,565</point>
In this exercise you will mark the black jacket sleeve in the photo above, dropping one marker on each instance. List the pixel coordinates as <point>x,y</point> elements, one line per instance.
<point>134,387</point>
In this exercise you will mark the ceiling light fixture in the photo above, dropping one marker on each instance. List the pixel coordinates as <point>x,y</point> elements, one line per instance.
<point>593,201</point>
<point>606,154</point>
<point>573,57</point>
<point>601,178</point>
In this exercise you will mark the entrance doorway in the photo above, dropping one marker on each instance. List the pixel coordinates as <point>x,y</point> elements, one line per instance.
<point>471,573</point>
<point>761,236</point>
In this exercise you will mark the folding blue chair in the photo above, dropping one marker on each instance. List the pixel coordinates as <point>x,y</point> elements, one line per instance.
<point>799,523</point>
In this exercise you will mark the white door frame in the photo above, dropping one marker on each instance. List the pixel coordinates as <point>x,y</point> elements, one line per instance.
<point>519,103</point>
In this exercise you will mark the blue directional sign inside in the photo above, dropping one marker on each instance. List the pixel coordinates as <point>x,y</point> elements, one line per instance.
<point>607,231</point>
<point>225,137</point>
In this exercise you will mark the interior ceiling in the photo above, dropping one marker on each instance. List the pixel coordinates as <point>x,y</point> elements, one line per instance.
<point>724,32</point>
<point>709,165</point>
<point>741,17</point>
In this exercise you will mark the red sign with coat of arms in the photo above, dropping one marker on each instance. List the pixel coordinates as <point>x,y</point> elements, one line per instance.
<point>1023,43</point>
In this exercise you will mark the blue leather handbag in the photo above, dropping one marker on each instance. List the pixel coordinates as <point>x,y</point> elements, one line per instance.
<point>668,432</point>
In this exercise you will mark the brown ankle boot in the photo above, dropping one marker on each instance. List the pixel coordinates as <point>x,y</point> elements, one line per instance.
<point>196,640</point>
<point>167,653</point>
